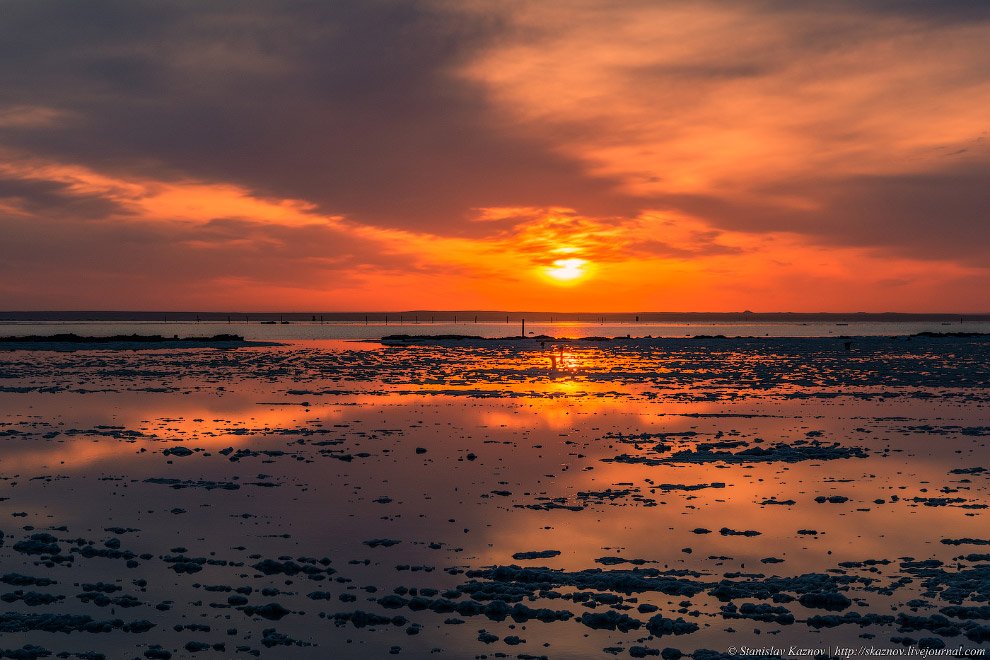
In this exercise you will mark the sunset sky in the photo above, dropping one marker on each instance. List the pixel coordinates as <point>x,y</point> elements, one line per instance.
<point>572,155</point>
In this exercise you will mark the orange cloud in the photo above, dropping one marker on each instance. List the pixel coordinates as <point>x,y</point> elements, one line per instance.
<point>715,98</point>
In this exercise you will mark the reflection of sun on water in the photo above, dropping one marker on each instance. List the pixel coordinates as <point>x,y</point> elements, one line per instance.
<point>566,271</point>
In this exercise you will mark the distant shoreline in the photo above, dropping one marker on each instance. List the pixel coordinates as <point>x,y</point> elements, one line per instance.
<point>479,316</point>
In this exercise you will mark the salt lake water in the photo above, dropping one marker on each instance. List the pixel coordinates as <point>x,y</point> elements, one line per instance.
<point>571,500</point>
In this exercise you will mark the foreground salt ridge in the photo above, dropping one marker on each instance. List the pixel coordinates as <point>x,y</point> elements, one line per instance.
<point>286,570</point>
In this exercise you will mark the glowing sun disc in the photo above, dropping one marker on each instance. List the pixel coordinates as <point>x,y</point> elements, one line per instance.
<point>566,270</point>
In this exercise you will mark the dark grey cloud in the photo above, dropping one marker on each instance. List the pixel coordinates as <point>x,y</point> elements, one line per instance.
<point>33,196</point>
<point>352,105</point>
<point>940,12</point>
<point>939,215</point>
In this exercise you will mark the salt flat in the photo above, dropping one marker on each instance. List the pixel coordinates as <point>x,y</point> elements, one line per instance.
<point>326,499</point>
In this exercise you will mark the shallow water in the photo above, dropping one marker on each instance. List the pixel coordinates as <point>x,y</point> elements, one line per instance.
<point>317,451</point>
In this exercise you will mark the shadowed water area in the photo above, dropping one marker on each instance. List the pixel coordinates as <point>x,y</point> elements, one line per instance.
<point>520,499</point>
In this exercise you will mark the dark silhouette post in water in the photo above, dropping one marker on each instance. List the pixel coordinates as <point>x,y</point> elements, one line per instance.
<point>523,328</point>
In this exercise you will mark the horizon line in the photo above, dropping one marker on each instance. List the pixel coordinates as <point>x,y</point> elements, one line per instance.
<point>596,313</point>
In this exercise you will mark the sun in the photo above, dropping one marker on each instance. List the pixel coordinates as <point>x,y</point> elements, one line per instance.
<point>566,270</point>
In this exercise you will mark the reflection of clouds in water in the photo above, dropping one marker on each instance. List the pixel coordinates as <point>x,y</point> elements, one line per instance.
<point>154,423</point>
<point>481,453</point>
